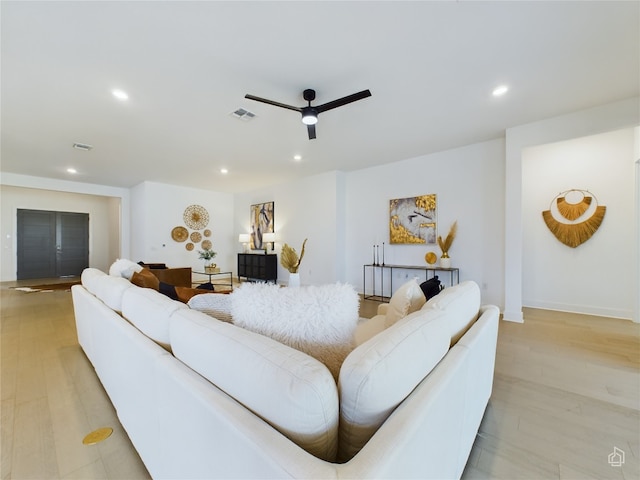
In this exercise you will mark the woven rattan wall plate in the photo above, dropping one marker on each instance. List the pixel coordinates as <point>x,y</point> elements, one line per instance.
<point>196,237</point>
<point>189,246</point>
<point>207,233</point>
<point>206,244</point>
<point>196,217</point>
<point>179,234</point>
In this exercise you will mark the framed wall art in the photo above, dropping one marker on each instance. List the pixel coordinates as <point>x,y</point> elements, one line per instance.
<point>261,222</point>
<point>413,220</point>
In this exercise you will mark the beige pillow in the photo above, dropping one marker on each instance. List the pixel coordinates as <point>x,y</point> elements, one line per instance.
<point>407,299</point>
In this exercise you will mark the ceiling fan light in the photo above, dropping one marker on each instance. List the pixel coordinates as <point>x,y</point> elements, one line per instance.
<point>310,120</point>
<point>309,116</point>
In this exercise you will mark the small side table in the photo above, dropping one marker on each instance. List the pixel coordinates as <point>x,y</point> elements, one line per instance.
<point>209,285</point>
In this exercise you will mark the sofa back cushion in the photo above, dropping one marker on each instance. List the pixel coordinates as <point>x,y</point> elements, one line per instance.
<point>291,391</point>
<point>149,312</point>
<point>107,288</point>
<point>89,277</point>
<point>462,304</point>
<point>379,374</point>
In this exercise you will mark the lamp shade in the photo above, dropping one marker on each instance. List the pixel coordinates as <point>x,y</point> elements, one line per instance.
<point>268,237</point>
<point>244,238</point>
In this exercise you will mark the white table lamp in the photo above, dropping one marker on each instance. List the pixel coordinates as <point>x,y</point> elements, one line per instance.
<point>269,237</point>
<point>244,239</point>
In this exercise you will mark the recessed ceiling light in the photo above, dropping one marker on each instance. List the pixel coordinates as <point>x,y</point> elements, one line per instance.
<point>120,94</point>
<point>297,158</point>
<point>71,170</point>
<point>224,171</point>
<point>501,90</point>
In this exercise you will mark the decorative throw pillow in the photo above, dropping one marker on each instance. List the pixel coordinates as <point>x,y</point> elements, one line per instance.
<point>407,299</point>
<point>186,293</point>
<point>213,304</point>
<point>124,268</point>
<point>431,287</point>
<point>168,290</point>
<point>145,279</point>
<point>318,320</point>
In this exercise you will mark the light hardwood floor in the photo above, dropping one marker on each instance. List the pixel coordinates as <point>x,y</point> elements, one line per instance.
<point>566,393</point>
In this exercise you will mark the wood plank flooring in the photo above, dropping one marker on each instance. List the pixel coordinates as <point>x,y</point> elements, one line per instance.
<point>566,392</point>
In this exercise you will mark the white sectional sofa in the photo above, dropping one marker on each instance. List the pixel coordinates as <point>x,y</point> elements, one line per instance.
<point>201,398</point>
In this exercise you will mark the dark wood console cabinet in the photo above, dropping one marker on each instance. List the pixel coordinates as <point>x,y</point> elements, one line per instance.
<point>254,266</point>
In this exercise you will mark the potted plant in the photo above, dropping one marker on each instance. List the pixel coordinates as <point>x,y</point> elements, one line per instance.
<point>289,259</point>
<point>207,255</point>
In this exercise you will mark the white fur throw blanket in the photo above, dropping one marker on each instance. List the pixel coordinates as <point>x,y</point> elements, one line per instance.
<point>318,320</point>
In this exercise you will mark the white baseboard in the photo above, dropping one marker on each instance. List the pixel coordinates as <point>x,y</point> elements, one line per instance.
<point>584,309</point>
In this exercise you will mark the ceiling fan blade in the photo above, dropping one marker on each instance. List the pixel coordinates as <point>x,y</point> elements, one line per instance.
<point>343,101</point>
<point>271,102</point>
<point>312,131</point>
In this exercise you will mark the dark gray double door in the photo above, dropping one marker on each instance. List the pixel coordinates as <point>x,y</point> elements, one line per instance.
<point>52,244</point>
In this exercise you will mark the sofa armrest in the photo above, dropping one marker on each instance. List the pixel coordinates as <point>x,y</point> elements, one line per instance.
<point>382,308</point>
<point>178,277</point>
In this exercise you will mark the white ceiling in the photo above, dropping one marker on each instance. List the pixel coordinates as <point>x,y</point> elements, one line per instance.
<point>431,67</point>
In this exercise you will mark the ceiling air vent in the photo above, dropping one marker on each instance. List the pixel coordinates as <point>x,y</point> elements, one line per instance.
<point>82,146</point>
<point>243,114</point>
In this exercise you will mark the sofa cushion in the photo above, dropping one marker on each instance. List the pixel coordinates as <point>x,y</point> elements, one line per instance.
<point>407,299</point>
<point>379,374</point>
<point>88,278</point>
<point>316,319</point>
<point>149,312</point>
<point>462,303</point>
<point>108,289</point>
<point>291,391</point>
<point>369,328</point>
<point>213,304</point>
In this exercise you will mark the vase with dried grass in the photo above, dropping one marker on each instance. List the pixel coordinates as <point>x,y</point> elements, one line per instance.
<point>290,260</point>
<point>445,245</point>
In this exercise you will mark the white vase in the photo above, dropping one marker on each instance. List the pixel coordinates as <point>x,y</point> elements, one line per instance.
<point>294,279</point>
<point>445,262</point>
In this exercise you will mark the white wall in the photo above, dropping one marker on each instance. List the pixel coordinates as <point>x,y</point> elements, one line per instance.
<point>344,214</point>
<point>469,184</point>
<point>99,208</point>
<point>158,208</point>
<point>597,277</point>
<point>596,120</point>
<point>307,208</point>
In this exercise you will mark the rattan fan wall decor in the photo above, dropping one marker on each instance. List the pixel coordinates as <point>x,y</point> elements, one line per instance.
<point>579,221</point>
